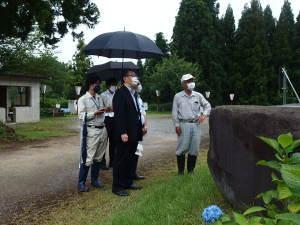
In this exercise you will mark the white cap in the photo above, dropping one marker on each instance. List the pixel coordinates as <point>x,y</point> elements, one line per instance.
<point>186,77</point>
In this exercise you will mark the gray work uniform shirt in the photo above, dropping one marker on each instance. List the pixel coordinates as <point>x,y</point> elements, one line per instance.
<point>187,107</point>
<point>88,104</point>
<point>107,98</point>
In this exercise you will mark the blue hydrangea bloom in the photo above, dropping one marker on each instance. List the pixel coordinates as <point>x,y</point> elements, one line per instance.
<point>211,214</point>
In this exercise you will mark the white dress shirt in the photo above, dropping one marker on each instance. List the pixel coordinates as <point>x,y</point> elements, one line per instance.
<point>107,97</point>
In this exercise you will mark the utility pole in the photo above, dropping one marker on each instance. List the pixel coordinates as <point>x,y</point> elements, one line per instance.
<point>285,79</point>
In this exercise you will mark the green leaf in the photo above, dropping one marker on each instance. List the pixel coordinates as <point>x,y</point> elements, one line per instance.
<point>230,223</point>
<point>293,147</point>
<point>268,196</point>
<point>240,219</point>
<point>276,179</point>
<point>283,191</point>
<point>225,218</point>
<point>285,222</point>
<point>272,143</point>
<point>285,140</point>
<point>294,159</point>
<point>254,209</point>
<point>271,164</point>
<point>217,223</point>
<point>268,221</point>
<point>291,176</point>
<point>293,217</point>
<point>256,220</point>
<point>294,207</point>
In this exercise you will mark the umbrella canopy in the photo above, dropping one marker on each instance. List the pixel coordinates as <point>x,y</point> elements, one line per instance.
<point>111,70</point>
<point>122,44</point>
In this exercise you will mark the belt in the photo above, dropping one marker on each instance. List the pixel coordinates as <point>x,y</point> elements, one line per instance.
<point>189,121</point>
<point>97,127</point>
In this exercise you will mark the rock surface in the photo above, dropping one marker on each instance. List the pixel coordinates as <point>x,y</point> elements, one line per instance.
<point>235,148</point>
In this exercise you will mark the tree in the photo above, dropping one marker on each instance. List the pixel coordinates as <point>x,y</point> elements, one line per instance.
<point>80,65</point>
<point>166,78</point>
<point>283,37</point>
<point>195,38</point>
<point>13,51</point>
<point>274,82</point>
<point>227,30</point>
<point>253,57</point>
<point>162,43</point>
<point>270,24</point>
<point>54,18</point>
<point>296,56</point>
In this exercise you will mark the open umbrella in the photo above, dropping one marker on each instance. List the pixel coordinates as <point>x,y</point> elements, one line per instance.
<point>111,70</point>
<point>123,44</point>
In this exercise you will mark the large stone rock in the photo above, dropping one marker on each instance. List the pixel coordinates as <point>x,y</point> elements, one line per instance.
<point>235,148</point>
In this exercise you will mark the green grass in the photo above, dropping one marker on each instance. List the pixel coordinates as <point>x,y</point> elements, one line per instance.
<point>166,199</point>
<point>158,114</point>
<point>46,128</point>
<point>172,201</point>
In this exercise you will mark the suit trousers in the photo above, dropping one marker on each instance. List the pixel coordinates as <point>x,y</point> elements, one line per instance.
<point>124,164</point>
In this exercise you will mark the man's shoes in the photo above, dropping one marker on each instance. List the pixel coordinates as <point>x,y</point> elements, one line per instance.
<point>97,184</point>
<point>137,177</point>
<point>121,193</point>
<point>82,187</point>
<point>134,187</point>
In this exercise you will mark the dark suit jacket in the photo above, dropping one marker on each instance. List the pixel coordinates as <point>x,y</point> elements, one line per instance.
<point>127,117</point>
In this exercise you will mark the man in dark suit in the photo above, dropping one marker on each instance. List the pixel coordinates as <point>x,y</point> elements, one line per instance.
<point>129,132</point>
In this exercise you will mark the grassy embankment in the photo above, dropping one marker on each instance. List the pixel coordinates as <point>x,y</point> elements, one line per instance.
<point>46,128</point>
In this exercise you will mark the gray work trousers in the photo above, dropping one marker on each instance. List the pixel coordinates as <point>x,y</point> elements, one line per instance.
<point>189,139</point>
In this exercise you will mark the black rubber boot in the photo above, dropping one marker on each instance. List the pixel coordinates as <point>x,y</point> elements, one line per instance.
<point>83,173</point>
<point>191,163</point>
<point>181,164</point>
<point>103,164</point>
<point>95,175</point>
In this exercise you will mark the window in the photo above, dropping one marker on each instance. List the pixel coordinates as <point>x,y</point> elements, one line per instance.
<point>19,96</point>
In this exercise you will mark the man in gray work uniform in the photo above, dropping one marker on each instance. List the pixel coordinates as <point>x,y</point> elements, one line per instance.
<point>91,113</point>
<point>187,116</point>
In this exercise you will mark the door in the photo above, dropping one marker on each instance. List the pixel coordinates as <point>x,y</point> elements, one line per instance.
<point>3,99</point>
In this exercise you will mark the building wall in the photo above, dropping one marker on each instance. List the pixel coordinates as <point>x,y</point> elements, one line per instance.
<point>31,113</point>
<point>2,115</point>
<point>72,105</point>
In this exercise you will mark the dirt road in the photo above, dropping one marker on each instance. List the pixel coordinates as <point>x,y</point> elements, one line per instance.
<point>38,175</point>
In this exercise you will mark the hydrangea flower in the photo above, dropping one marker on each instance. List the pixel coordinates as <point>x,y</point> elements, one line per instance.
<point>211,214</point>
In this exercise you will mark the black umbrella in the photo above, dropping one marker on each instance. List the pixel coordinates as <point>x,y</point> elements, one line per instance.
<point>111,70</point>
<point>122,44</point>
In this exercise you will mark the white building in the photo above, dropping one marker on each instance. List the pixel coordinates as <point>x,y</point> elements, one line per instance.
<point>19,98</point>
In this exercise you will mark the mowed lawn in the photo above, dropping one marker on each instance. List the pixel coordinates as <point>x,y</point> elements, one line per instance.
<point>47,128</point>
<point>166,199</point>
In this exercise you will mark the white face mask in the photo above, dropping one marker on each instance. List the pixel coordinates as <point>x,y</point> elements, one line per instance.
<point>139,88</point>
<point>191,86</point>
<point>112,88</point>
<point>135,81</point>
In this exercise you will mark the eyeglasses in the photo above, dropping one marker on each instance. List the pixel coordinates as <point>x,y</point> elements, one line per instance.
<point>131,75</point>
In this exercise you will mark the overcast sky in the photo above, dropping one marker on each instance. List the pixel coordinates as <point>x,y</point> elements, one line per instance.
<point>147,18</point>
